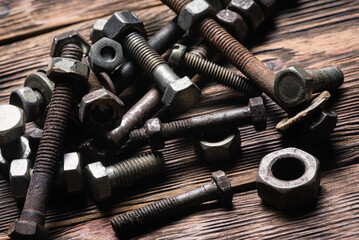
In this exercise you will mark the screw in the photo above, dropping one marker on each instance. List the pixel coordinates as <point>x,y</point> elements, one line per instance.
<point>219,188</point>
<point>123,174</point>
<point>212,71</point>
<point>156,132</point>
<point>179,94</point>
<point>32,218</point>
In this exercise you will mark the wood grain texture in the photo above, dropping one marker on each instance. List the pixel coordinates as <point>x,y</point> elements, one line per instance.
<point>310,34</point>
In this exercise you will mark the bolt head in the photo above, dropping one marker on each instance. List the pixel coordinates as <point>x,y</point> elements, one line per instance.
<point>181,95</point>
<point>27,230</point>
<point>101,110</point>
<point>268,6</point>
<point>293,86</point>
<point>63,39</point>
<point>105,55</point>
<point>26,99</point>
<point>98,181</point>
<point>73,172</point>
<point>234,23</point>
<point>224,187</point>
<point>41,83</point>
<point>19,177</point>
<point>153,130</point>
<point>96,32</point>
<point>258,111</point>
<point>249,10</point>
<point>12,123</point>
<point>121,23</point>
<point>177,55</point>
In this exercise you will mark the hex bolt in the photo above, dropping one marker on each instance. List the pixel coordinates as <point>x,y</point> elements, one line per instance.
<point>235,52</point>
<point>180,58</point>
<point>219,188</point>
<point>156,132</point>
<point>123,174</point>
<point>66,71</point>
<point>179,94</point>
<point>12,144</point>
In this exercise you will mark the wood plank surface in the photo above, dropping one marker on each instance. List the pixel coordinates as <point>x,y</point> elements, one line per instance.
<point>311,34</point>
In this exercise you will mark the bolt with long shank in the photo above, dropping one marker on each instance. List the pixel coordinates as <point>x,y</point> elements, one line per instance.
<point>65,71</point>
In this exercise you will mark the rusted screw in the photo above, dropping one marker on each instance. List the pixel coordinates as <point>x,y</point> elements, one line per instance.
<point>156,132</point>
<point>179,94</point>
<point>219,188</point>
<point>123,174</point>
<point>214,72</point>
<point>66,71</point>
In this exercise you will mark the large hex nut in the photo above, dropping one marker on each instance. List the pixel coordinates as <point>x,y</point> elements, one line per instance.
<point>288,178</point>
<point>293,86</point>
<point>234,23</point>
<point>219,151</point>
<point>101,110</point>
<point>121,23</point>
<point>105,55</point>
<point>60,41</point>
<point>258,112</point>
<point>19,177</point>
<point>153,129</point>
<point>27,230</point>
<point>192,13</point>
<point>96,32</point>
<point>224,186</point>
<point>12,123</point>
<point>249,10</point>
<point>180,95</point>
<point>98,181</point>
<point>73,172</point>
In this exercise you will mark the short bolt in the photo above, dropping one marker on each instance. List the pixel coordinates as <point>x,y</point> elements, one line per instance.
<point>179,94</point>
<point>219,188</point>
<point>123,174</point>
<point>180,58</point>
<point>156,132</point>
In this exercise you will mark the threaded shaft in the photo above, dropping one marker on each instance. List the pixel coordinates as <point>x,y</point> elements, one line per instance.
<point>201,51</point>
<point>145,216</point>
<point>327,78</point>
<point>72,51</point>
<point>175,5</point>
<point>13,150</point>
<point>220,74</point>
<point>138,135</point>
<point>131,171</point>
<point>176,129</point>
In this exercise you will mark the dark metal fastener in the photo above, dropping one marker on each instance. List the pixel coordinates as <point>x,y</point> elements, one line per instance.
<point>218,188</point>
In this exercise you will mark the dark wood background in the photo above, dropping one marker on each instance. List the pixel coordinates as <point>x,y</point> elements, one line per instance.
<point>311,34</point>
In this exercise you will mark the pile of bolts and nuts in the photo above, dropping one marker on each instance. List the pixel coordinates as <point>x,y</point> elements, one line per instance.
<point>79,88</point>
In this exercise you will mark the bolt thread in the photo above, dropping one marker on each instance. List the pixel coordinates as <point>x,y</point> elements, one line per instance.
<point>138,48</point>
<point>138,135</point>
<point>72,51</point>
<point>175,5</point>
<point>145,216</point>
<point>131,171</point>
<point>220,74</point>
<point>176,129</point>
<point>200,51</point>
<point>13,150</point>
<point>328,78</point>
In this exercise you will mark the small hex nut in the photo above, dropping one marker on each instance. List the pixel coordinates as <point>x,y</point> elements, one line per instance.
<point>234,23</point>
<point>19,177</point>
<point>153,129</point>
<point>12,123</point>
<point>177,55</point>
<point>249,10</point>
<point>219,151</point>
<point>105,55</point>
<point>224,187</point>
<point>101,110</point>
<point>180,95</point>
<point>192,13</point>
<point>258,112</point>
<point>60,41</point>
<point>96,32</point>
<point>21,229</point>
<point>73,172</point>
<point>98,181</point>
<point>293,86</point>
<point>121,23</point>
<point>288,178</point>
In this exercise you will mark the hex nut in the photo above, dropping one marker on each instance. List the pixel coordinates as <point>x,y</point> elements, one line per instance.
<point>101,110</point>
<point>34,139</point>
<point>121,23</point>
<point>63,39</point>
<point>293,86</point>
<point>12,123</point>
<point>288,178</point>
<point>177,55</point>
<point>219,151</point>
<point>224,186</point>
<point>153,128</point>
<point>268,6</point>
<point>192,13</point>
<point>96,32</point>
<point>258,112</point>
<point>19,177</point>
<point>233,23</point>
<point>73,172</point>
<point>180,95</point>
<point>38,81</point>
<point>105,55</point>
<point>27,230</point>
<point>249,10</point>
<point>67,68</point>
<point>98,181</point>
<point>28,100</point>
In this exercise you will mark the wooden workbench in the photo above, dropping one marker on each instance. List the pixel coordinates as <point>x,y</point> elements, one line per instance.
<point>311,34</point>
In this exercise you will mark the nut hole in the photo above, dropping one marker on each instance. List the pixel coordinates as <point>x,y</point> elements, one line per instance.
<point>288,169</point>
<point>108,53</point>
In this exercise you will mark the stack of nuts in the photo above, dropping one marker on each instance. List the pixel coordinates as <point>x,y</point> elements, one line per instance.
<point>77,94</point>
